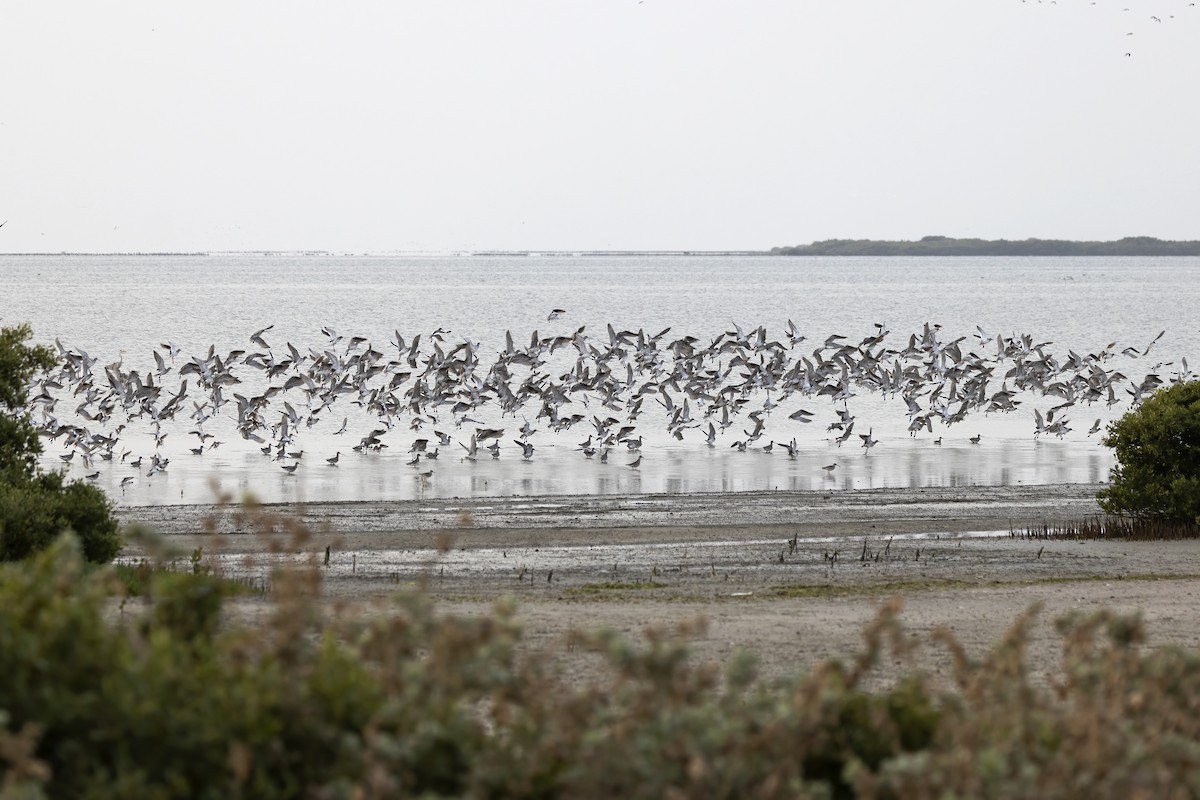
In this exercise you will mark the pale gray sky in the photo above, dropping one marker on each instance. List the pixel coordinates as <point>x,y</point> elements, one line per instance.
<point>593,124</point>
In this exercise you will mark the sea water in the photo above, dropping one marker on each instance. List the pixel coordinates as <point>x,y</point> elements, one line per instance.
<point>119,309</point>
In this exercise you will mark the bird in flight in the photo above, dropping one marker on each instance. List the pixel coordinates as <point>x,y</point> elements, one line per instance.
<point>256,337</point>
<point>555,313</point>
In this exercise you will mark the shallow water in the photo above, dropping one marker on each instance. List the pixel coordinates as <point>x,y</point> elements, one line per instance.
<point>122,308</point>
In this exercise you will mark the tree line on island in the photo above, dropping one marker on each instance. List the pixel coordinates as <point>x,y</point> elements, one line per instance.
<point>949,246</point>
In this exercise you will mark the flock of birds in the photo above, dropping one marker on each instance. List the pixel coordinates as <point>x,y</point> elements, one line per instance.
<point>426,394</point>
<point>1136,17</point>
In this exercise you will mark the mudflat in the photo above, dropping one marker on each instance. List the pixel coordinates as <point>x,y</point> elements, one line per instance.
<point>793,576</point>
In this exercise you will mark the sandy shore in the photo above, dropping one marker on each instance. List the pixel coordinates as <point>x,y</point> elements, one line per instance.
<point>793,575</point>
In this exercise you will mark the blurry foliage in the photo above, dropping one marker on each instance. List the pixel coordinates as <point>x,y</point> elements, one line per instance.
<point>36,507</point>
<point>1157,447</point>
<point>168,698</point>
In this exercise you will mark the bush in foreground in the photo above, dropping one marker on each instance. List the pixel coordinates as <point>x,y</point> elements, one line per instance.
<point>35,511</point>
<point>1157,446</point>
<point>172,702</point>
<point>36,507</point>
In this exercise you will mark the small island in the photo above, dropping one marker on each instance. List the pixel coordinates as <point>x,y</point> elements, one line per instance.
<point>948,246</point>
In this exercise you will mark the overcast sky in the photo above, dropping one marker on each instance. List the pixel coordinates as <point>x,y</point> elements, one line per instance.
<point>593,124</point>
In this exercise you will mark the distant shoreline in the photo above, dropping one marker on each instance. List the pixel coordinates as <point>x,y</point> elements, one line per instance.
<point>947,246</point>
<point>928,246</point>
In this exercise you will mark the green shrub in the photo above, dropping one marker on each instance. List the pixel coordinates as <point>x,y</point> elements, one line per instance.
<point>19,445</point>
<point>36,507</point>
<point>173,700</point>
<point>1157,447</point>
<point>34,511</point>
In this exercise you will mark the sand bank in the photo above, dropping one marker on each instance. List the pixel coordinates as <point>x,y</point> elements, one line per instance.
<point>793,575</point>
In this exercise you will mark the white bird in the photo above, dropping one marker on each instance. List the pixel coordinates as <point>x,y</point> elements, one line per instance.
<point>555,314</point>
<point>256,337</point>
<point>868,440</point>
<point>161,363</point>
<point>473,449</point>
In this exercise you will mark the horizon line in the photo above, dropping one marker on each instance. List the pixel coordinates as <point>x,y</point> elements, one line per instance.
<point>535,252</point>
